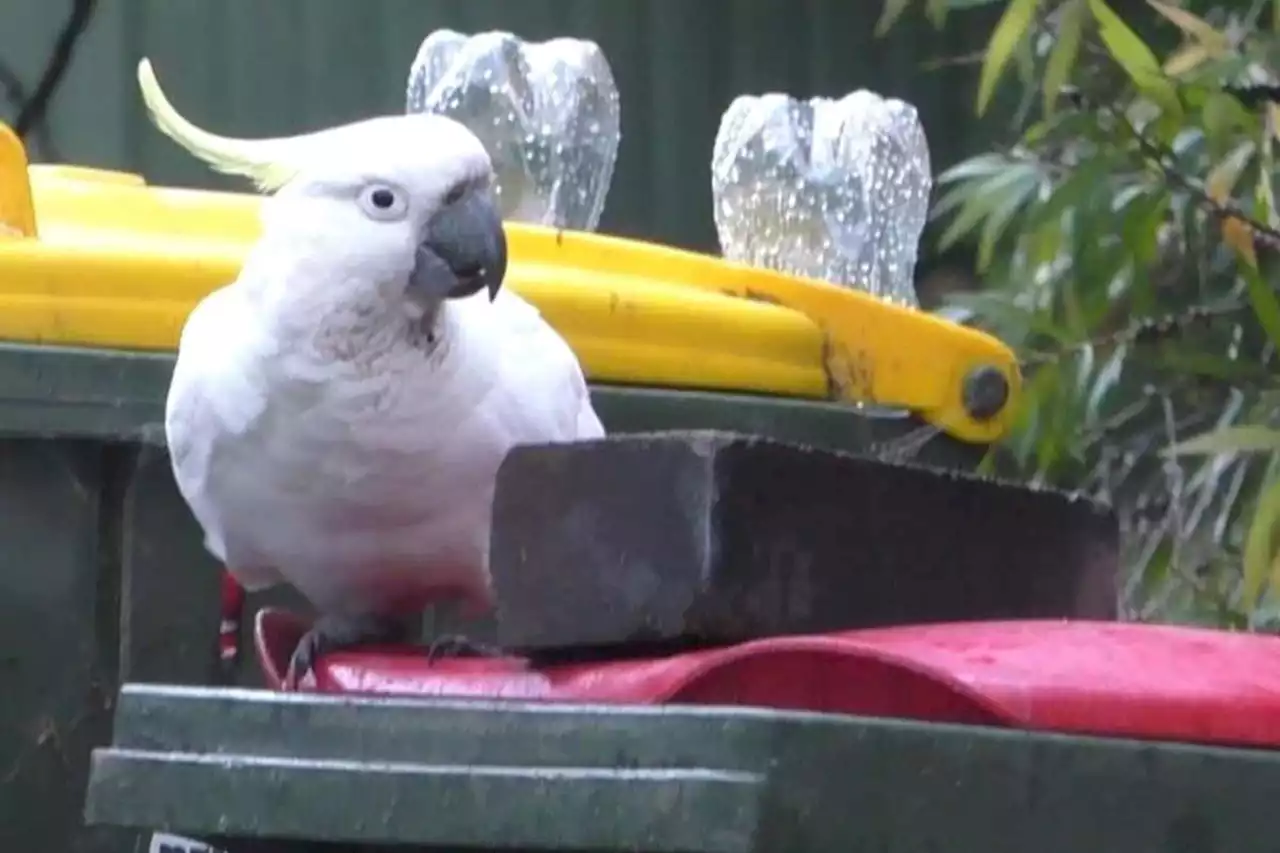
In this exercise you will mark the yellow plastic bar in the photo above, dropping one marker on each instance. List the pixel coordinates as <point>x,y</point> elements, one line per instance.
<point>872,351</point>
<point>119,263</point>
<point>17,213</point>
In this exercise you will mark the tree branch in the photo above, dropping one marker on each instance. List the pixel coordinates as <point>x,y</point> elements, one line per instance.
<point>1141,332</point>
<point>35,109</point>
<point>1164,159</point>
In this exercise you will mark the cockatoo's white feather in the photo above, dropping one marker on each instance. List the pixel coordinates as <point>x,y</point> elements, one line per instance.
<point>325,428</point>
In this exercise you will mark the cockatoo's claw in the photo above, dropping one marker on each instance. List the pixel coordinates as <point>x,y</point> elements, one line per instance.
<point>304,655</point>
<point>335,633</point>
<point>456,645</point>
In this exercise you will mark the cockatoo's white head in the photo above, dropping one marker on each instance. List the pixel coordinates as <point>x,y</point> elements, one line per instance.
<point>373,210</point>
<point>402,200</point>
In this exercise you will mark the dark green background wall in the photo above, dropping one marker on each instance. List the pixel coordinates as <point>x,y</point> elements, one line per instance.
<point>252,67</point>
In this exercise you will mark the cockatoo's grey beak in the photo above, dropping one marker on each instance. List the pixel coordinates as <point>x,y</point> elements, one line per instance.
<point>465,251</point>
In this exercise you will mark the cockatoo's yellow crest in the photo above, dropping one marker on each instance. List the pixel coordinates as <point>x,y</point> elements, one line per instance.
<point>264,161</point>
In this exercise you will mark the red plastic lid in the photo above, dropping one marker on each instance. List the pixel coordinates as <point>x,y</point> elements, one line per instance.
<point>1112,679</point>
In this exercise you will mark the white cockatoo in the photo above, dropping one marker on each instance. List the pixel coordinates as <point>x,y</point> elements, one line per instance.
<point>338,413</point>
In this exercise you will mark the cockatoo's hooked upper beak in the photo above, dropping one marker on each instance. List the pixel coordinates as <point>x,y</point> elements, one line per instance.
<point>465,251</point>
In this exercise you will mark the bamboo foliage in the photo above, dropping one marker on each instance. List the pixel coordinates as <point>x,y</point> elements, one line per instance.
<point>1129,244</point>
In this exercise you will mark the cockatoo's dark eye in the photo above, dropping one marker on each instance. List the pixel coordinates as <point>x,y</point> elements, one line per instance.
<point>455,195</point>
<point>383,202</point>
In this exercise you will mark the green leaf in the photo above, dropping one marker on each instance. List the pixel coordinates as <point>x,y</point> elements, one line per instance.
<point>1137,60</point>
<point>954,198</point>
<point>889,16</point>
<point>1075,191</point>
<point>936,10</point>
<point>1235,439</point>
<point>1180,361</point>
<point>1108,377</point>
<point>1266,307</point>
<point>996,223</point>
<point>1024,58</point>
<point>1042,245</point>
<point>980,166</point>
<point>1168,126</point>
<point>1038,132</point>
<point>1186,59</point>
<point>973,177</point>
<point>1223,177</point>
<point>1260,544</point>
<point>998,308</point>
<point>1041,401</point>
<point>972,212</point>
<point>1009,32</point>
<point>1140,225</point>
<point>1013,187</point>
<point>1193,26</point>
<point>1059,427</point>
<point>1065,49</point>
<point>1017,181</point>
<point>1084,369</point>
<point>1223,116</point>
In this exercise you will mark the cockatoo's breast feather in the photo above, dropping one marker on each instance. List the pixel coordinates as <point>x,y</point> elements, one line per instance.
<point>339,472</point>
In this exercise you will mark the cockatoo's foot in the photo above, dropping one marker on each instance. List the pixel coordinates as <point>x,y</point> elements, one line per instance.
<point>456,645</point>
<point>334,633</point>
